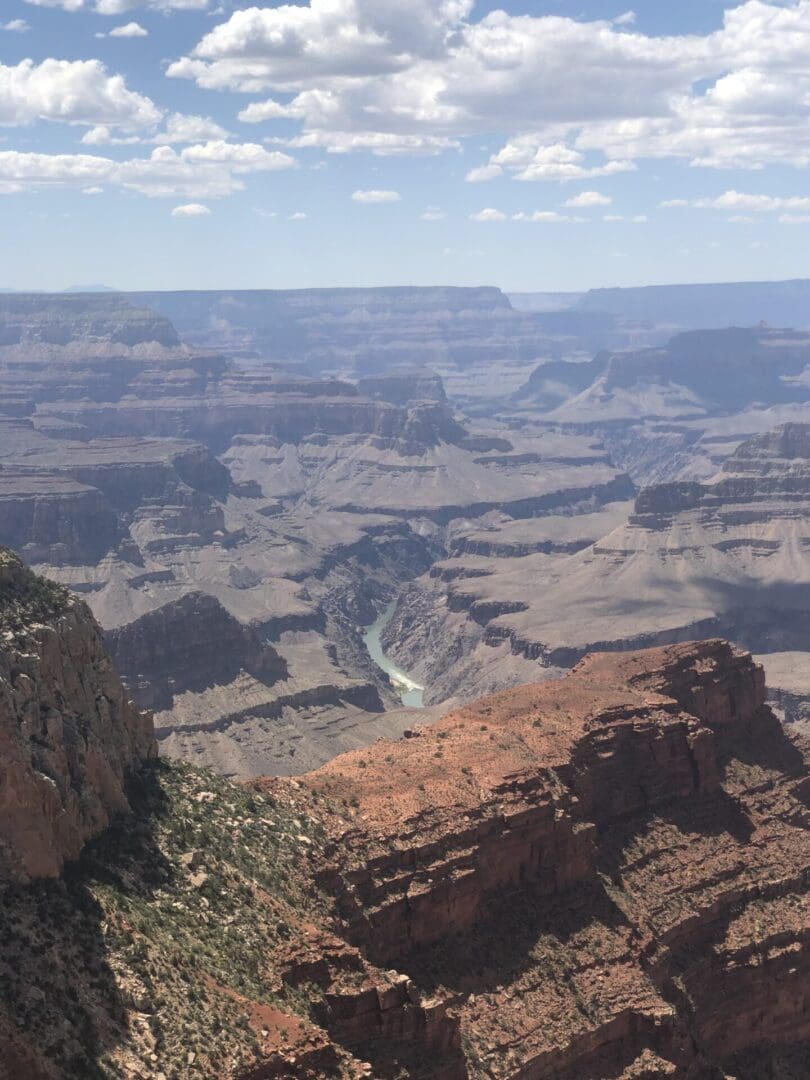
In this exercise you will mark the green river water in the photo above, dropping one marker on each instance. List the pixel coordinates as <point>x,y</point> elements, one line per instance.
<point>409,691</point>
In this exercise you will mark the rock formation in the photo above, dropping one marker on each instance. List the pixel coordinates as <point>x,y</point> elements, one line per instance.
<point>602,878</point>
<point>726,557</point>
<point>147,474</point>
<point>378,329</point>
<point>68,734</point>
<point>706,306</point>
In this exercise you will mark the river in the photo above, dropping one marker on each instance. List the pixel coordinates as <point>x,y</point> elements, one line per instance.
<point>409,691</point>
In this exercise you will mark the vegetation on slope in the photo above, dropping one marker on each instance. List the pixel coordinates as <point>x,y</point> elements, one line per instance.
<point>154,955</point>
<point>25,597</point>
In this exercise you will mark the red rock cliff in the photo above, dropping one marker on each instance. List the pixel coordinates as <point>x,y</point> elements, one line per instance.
<point>603,876</point>
<point>68,733</point>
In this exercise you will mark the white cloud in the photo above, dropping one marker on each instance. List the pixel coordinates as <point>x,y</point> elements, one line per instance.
<point>74,92</point>
<point>432,213</point>
<point>488,215</point>
<point>382,76</point>
<point>206,170</point>
<point>16,26</point>
<point>669,204</point>
<point>588,198</point>
<point>93,191</point>
<point>191,210</point>
<point>382,144</point>
<point>758,204</point>
<point>481,173</point>
<point>121,7</point>
<point>65,5</point>
<point>527,157</point>
<point>262,213</point>
<point>794,219</point>
<point>292,45</point>
<point>128,30</point>
<point>299,215</point>
<point>613,217</point>
<point>545,217</point>
<point>376,196</point>
<point>176,129</point>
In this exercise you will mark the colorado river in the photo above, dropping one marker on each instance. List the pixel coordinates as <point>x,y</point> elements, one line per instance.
<point>410,692</point>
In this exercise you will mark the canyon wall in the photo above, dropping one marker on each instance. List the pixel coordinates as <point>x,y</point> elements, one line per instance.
<point>603,876</point>
<point>68,734</point>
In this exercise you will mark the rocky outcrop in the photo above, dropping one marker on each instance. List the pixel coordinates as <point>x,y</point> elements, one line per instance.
<point>35,320</point>
<point>598,878</point>
<point>726,557</point>
<point>403,386</point>
<point>188,644</point>
<point>55,519</point>
<point>68,734</point>
<point>603,876</point>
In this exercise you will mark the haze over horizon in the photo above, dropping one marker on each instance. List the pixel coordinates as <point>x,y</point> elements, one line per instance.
<point>536,146</point>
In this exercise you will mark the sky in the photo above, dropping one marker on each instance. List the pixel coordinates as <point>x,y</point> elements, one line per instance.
<point>537,146</point>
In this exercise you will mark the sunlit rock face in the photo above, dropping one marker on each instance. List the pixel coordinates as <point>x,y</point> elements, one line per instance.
<point>68,733</point>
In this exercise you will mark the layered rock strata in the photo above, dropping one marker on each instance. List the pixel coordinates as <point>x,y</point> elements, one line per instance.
<point>68,733</point>
<point>602,876</point>
<point>727,557</point>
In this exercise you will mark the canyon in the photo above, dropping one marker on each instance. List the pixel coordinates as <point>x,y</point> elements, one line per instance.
<point>231,846</point>
<point>603,876</point>
<point>239,501</point>
<point>234,526</point>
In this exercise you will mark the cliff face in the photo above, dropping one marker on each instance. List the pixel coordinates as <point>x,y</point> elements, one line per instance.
<point>31,319</point>
<point>68,734</point>
<point>599,878</point>
<point>189,644</point>
<point>603,876</point>
<point>727,557</point>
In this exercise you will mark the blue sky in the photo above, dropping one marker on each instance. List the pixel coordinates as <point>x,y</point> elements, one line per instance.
<point>535,146</point>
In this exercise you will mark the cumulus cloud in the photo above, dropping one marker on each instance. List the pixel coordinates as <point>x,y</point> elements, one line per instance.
<point>74,92</point>
<point>65,5</point>
<point>416,78</point>
<point>527,157</point>
<point>376,196</point>
<point>292,45</point>
<point>588,198</point>
<point>16,26</point>
<point>741,202</point>
<point>193,209</point>
<point>128,30</point>
<point>545,217</point>
<point>121,7</point>
<point>205,170</point>
<point>488,215</point>
<point>432,213</point>
<point>481,173</point>
<point>299,215</point>
<point>177,128</point>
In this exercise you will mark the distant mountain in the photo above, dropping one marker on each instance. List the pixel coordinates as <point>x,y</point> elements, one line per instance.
<point>543,301</point>
<point>89,289</point>
<point>707,307</point>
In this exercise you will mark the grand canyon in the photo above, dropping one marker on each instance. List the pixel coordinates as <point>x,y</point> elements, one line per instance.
<point>410,683</point>
<point>404,540</point>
